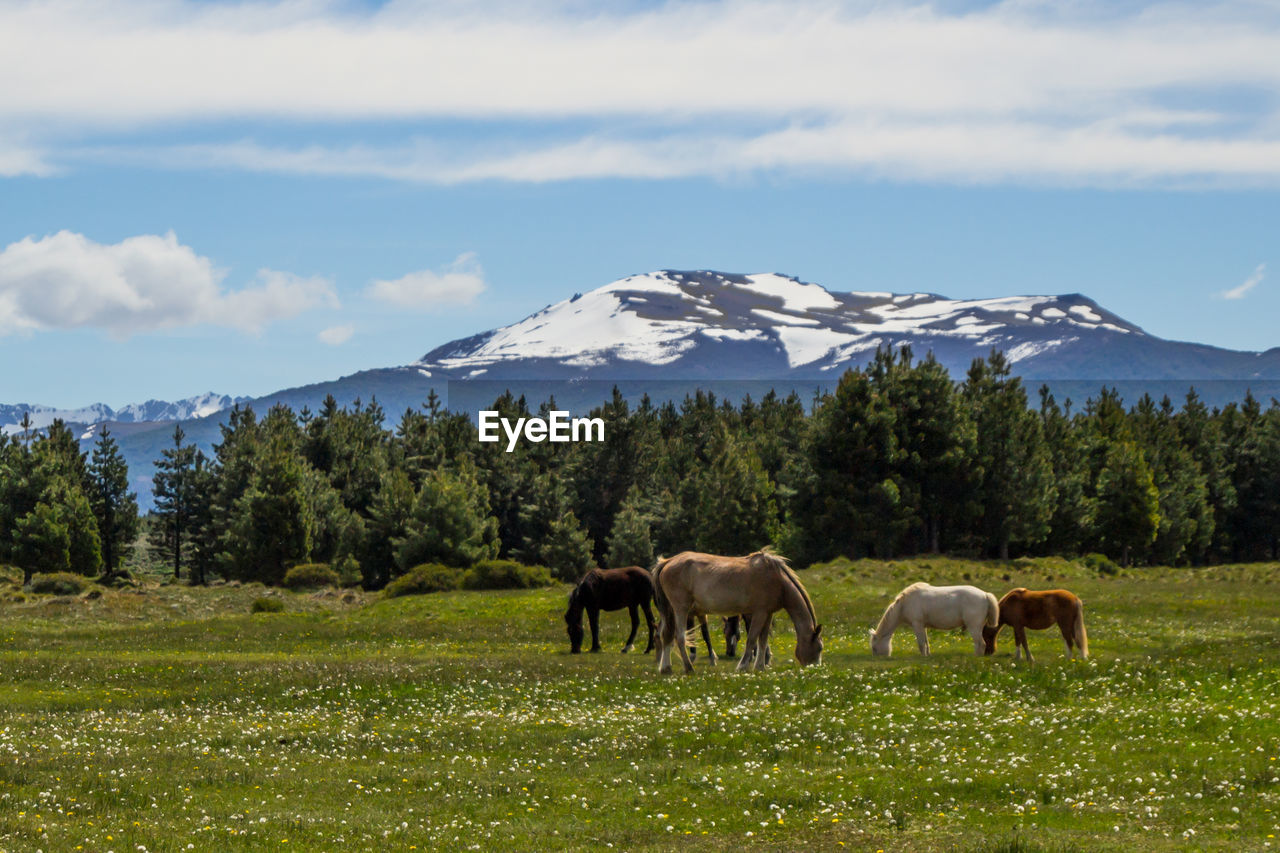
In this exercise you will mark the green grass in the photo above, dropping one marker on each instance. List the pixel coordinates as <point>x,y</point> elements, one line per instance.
<point>172,716</point>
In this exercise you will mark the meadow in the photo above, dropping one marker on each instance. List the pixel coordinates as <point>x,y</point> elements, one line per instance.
<point>172,718</point>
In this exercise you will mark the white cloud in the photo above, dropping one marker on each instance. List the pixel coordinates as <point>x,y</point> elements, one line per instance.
<point>459,283</point>
<point>974,152</point>
<point>16,159</point>
<point>1087,92</point>
<point>336,335</point>
<point>143,283</point>
<point>1241,290</point>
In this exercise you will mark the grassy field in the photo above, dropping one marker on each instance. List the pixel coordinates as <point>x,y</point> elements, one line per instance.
<point>171,718</point>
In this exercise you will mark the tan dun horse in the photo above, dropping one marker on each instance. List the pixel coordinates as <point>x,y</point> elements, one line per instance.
<point>1023,608</point>
<point>758,585</point>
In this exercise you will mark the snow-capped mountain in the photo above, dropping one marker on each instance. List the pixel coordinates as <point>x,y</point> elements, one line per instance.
<point>711,325</point>
<point>198,406</point>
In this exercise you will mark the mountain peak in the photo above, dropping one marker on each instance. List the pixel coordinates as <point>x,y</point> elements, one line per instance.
<point>760,324</point>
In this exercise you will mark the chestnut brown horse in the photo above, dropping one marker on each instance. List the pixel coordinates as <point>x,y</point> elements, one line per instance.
<point>1023,608</point>
<point>610,589</point>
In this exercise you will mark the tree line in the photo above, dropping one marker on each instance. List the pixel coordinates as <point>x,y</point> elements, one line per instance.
<point>897,459</point>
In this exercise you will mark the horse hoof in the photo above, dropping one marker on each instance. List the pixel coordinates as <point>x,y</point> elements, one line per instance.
<point>596,650</point>
<point>628,647</point>
<point>666,670</point>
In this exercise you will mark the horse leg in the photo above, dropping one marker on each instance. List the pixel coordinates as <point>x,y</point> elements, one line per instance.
<point>753,637</point>
<point>979,644</point>
<point>1020,638</point>
<point>706,638</point>
<point>682,618</point>
<point>648,617</point>
<point>922,638</point>
<point>593,613</point>
<point>1064,625</point>
<point>762,644</point>
<point>635,626</point>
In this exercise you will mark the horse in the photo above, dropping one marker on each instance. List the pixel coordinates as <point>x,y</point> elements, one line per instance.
<point>733,633</point>
<point>923,606</point>
<point>759,584</point>
<point>1023,608</point>
<point>609,589</point>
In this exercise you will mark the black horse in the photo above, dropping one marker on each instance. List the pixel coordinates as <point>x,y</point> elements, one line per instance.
<point>609,589</point>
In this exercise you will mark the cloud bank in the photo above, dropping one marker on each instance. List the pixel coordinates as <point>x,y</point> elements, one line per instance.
<point>141,284</point>
<point>1163,93</point>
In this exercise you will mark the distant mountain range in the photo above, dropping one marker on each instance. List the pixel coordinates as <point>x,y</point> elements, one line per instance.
<point>152,411</point>
<point>662,332</point>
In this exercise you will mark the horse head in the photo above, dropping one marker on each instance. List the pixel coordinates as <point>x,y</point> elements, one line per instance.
<point>573,622</point>
<point>989,640</point>
<point>880,645</point>
<point>810,651</point>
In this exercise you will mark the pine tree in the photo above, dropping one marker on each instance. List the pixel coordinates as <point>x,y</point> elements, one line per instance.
<point>114,506</point>
<point>1073,507</point>
<point>1128,502</point>
<point>388,523</point>
<point>173,489</point>
<point>631,541</point>
<point>272,524</point>
<point>852,506</point>
<point>450,523</point>
<point>734,512</point>
<point>1016,492</point>
<point>41,542</point>
<point>567,549</point>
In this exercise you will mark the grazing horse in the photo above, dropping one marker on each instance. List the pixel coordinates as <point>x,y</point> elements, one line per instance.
<point>923,606</point>
<point>759,585</point>
<point>609,589</point>
<point>733,633</point>
<point>1023,608</point>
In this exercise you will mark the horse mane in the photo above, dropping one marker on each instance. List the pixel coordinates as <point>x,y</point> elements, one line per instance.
<point>780,563</point>
<point>894,607</point>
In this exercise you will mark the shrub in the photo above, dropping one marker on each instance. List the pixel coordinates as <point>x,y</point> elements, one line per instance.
<point>506,574</point>
<point>59,583</point>
<point>1100,563</point>
<point>267,605</point>
<point>424,579</point>
<point>310,576</point>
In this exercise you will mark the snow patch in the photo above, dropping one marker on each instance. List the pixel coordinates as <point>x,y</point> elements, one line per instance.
<point>796,296</point>
<point>1085,312</point>
<point>805,345</point>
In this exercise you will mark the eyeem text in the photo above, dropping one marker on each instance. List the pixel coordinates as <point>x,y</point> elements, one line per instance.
<point>557,427</point>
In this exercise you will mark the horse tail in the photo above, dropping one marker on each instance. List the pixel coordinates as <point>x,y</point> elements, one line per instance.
<point>660,597</point>
<point>993,612</point>
<point>1081,636</point>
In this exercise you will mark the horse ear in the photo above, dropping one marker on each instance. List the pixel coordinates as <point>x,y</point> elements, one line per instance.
<point>817,632</point>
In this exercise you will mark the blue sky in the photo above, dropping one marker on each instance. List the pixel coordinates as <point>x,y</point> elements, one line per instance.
<point>245,197</point>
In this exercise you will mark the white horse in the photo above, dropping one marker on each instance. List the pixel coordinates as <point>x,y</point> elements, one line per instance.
<point>923,606</point>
